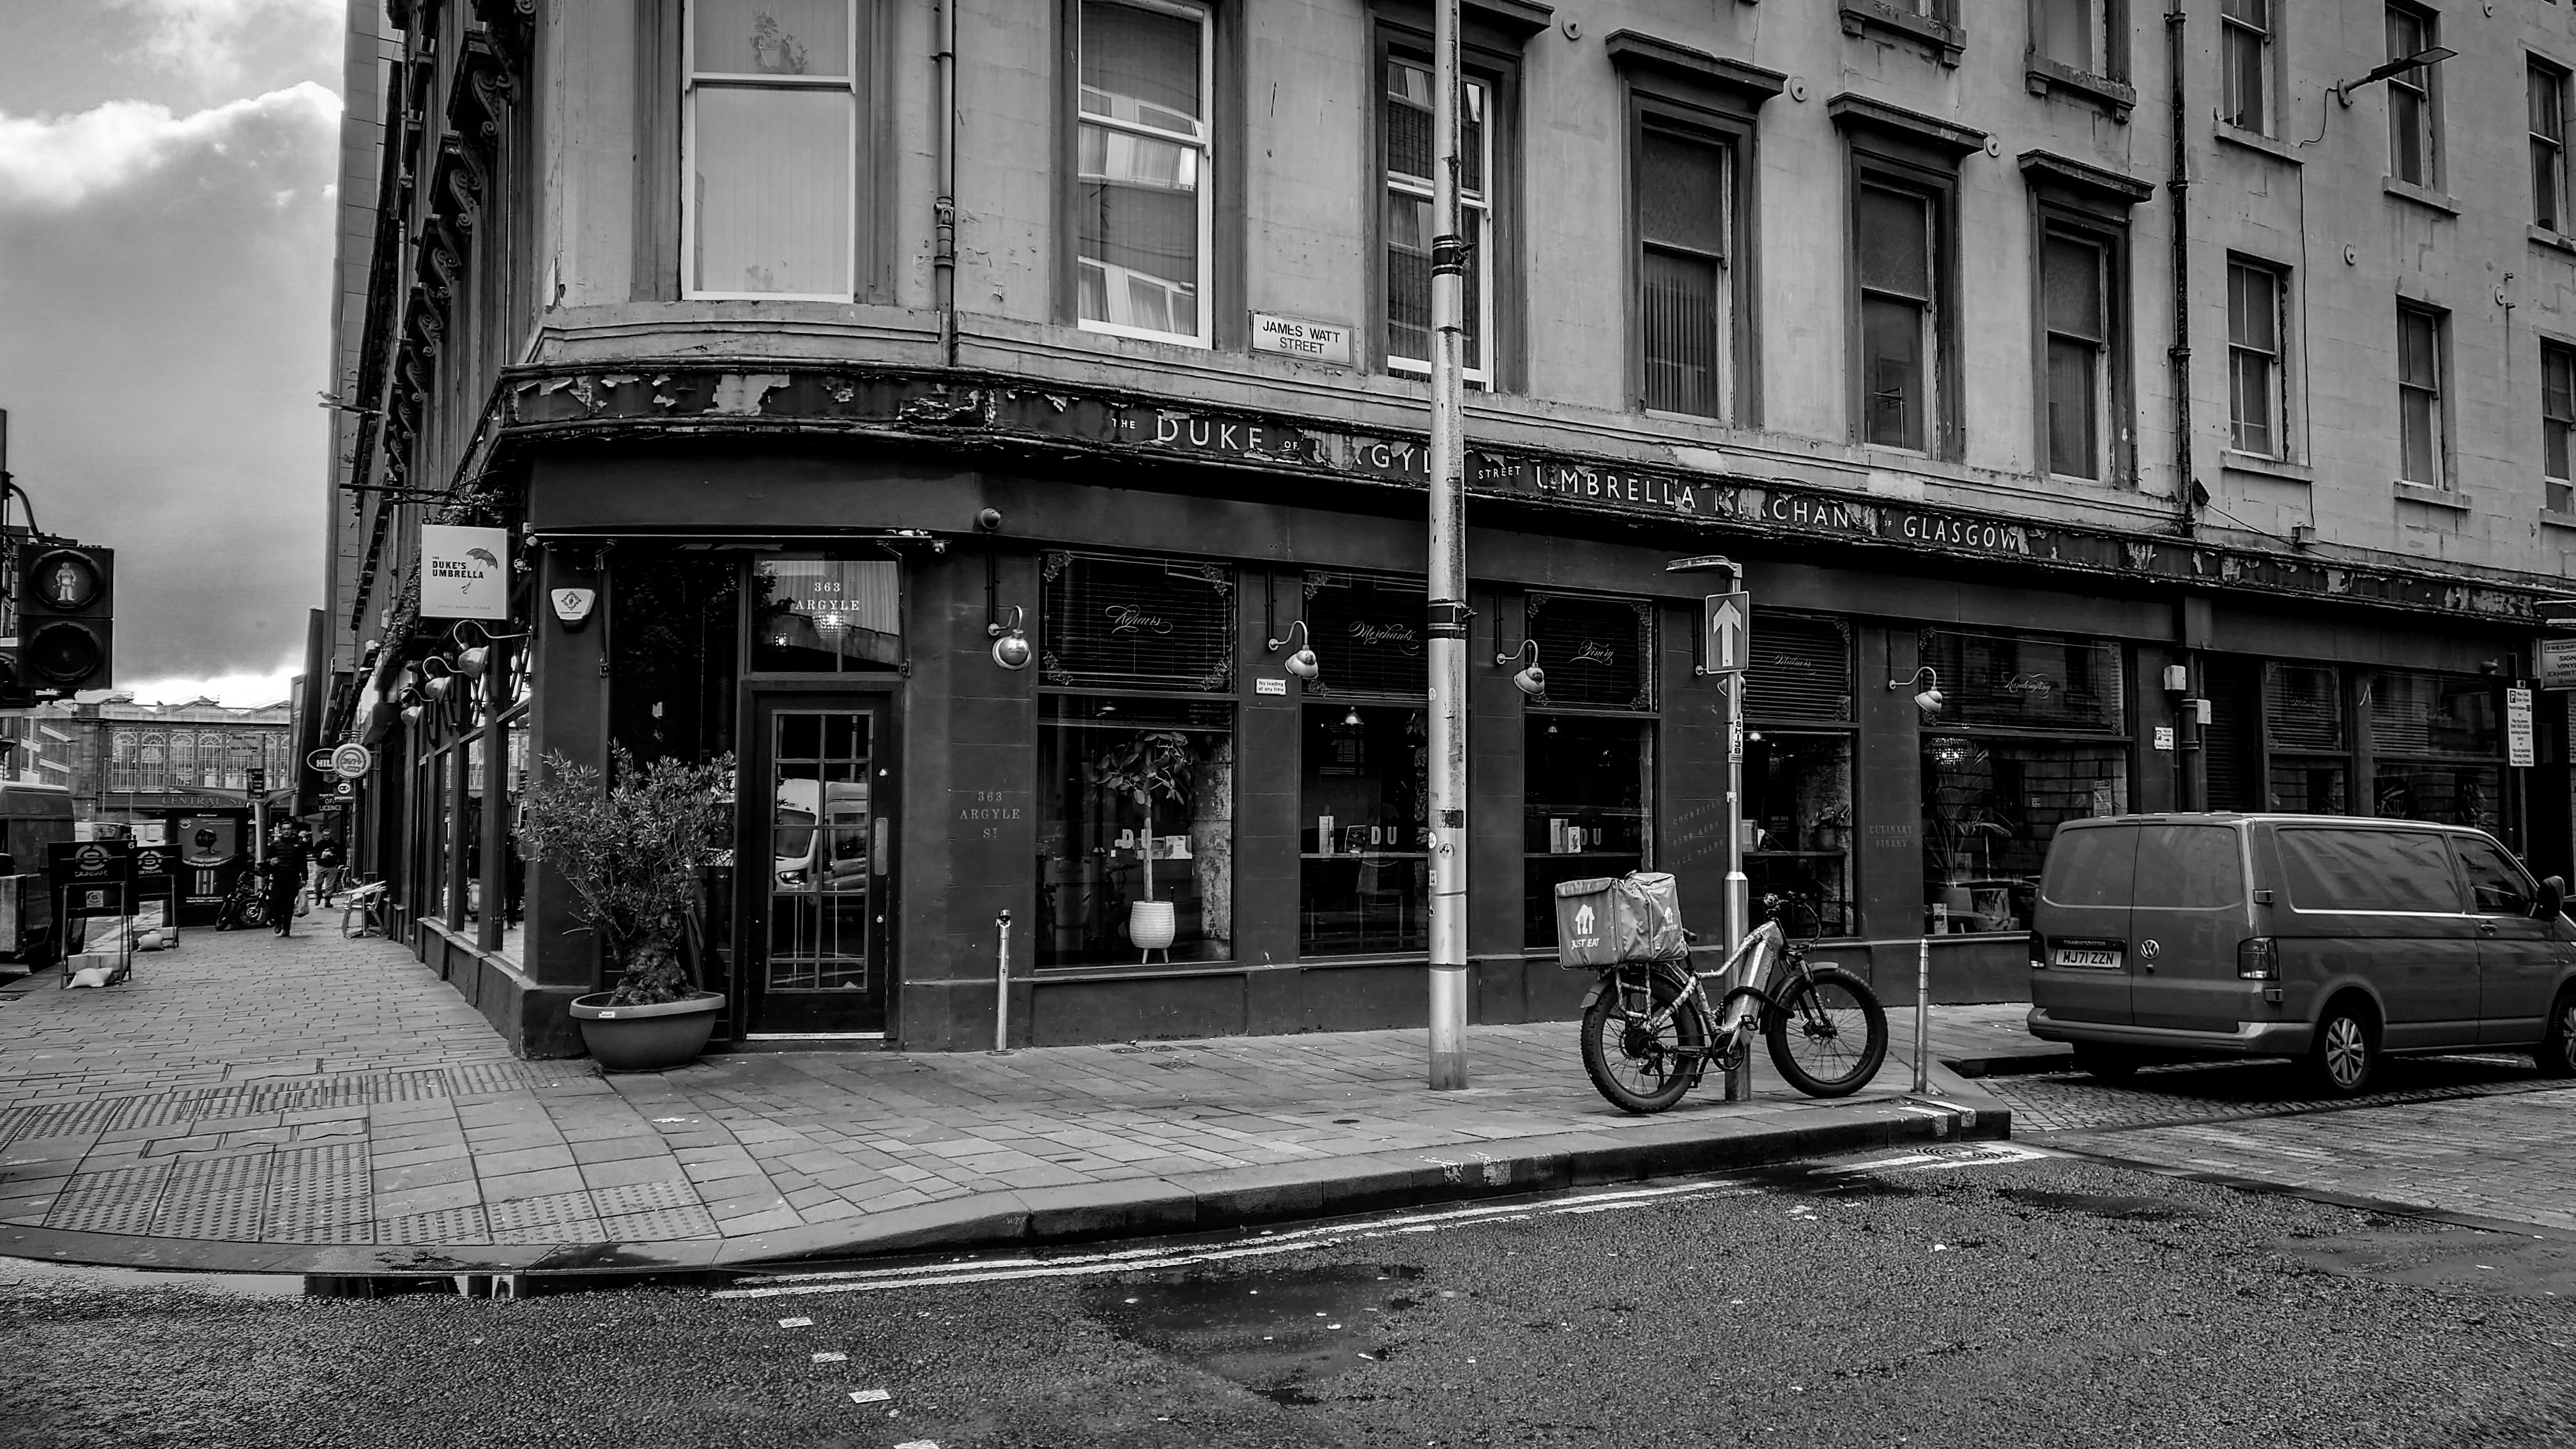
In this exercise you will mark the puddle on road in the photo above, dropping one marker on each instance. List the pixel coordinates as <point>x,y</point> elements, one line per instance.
<point>1278,1333</point>
<point>2491,1265</point>
<point>2117,1206</point>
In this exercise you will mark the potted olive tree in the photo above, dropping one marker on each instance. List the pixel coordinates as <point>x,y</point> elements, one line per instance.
<point>1148,764</point>
<point>630,851</point>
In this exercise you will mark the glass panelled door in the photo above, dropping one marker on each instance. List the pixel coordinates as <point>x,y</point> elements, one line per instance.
<point>816,918</point>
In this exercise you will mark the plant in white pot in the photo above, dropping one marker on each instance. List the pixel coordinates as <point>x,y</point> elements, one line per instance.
<point>630,850</point>
<point>1148,764</point>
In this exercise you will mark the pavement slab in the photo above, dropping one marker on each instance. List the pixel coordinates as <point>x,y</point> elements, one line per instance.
<point>351,1110</point>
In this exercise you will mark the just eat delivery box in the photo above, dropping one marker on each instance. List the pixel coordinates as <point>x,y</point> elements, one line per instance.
<point>1604,920</point>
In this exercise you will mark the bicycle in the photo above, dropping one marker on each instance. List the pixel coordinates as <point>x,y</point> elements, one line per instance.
<point>246,906</point>
<point>364,915</point>
<point>1825,1028</point>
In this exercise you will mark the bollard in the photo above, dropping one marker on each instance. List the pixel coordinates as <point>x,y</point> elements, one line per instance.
<point>1923,1016</point>
<point>1002,991</point>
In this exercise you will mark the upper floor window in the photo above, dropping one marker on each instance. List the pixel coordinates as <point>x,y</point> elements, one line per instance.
<point>2413,134</point>
<point>2547,86</point>
<point>2076,34</point>
<point>2557,426</point>
<point>2419,396</point>
<point>1685,314</point>
<point>771,141</point>
<point>2078,317</point>
<point>1405,121</point>
<point>2254,359</point>
<point>1897,230</point>
<point>1142,208</point>
<point>2246,30</point>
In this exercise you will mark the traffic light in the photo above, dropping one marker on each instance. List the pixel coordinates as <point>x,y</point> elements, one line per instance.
<point>66,605</point>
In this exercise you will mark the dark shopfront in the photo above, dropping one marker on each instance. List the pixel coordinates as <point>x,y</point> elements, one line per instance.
<point>909,790</point>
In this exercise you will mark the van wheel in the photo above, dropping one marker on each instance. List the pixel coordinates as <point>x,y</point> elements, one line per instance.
<point>2110,1063</point>
<point>2556,1056</point>
<point>2345,1054</point>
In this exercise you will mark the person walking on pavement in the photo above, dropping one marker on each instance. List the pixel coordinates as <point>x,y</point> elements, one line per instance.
<point>285,866</point>
<point>326,871</point>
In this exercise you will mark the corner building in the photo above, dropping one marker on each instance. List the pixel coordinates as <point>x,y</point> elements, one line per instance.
<point>2084,453</point>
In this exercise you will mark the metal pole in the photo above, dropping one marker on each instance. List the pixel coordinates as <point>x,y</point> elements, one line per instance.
<point>1447,629</point>
<point>1923,1015</point>
<point>1002,991</point>
<point>1739,887</point>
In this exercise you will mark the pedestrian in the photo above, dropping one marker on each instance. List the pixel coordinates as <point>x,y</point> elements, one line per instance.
<point>285,883</point>
<point>327,868</point>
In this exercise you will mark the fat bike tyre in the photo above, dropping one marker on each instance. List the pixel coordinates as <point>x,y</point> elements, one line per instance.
<point>1828,1034</point>
<point>1638,1071</point>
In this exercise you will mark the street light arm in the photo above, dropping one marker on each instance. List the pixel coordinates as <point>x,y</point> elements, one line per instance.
<point>2429,55</point>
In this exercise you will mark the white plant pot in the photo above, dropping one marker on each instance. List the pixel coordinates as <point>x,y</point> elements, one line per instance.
<point>1150,926</point>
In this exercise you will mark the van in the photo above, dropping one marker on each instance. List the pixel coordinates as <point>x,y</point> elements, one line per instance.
<point>2321,937</point>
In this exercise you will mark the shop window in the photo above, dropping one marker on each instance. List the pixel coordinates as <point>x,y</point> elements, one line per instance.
<point>2419,397</point>
<point>1150,624</point>
<point>1798,781</point>
<point>674,631</point>
<point>1135,805</point>
<point>2032,733</point>
<point>1404,123</point>
<point>1684,311</point>
<point>1364,830</point>
<point>1367,635</point>
<point>2414,126</point>
<point>2557,426</point>
<point>816,615</point>
<point>514,868</point>
<point>2437,749</point>
<point>2303,718</point>
<point>2245,35</point>
<point>1597,652</point>
<point>2254,371</point>
<point>774,165</point>
<point>1588,798</point>
<point>1143,205</point>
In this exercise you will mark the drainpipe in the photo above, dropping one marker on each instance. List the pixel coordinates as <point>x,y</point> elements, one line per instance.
<point>2178,356</point>
<point>943,248</point>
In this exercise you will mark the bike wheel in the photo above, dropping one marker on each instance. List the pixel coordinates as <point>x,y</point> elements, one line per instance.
<point>1637,1070</point>
<point>1828,1034</point>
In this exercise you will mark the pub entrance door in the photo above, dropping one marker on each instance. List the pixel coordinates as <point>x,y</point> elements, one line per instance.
<point>815,873</point>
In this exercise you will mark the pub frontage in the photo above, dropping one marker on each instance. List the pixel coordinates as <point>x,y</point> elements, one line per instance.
<point>828,573</point>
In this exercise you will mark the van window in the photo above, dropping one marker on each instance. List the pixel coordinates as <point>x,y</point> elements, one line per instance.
<point>2091,867</point>
<point>2188,867</point>
<point>2368,870</point>
<point>2496,885</point>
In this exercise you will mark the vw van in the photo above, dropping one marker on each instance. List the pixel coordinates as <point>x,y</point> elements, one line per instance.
<point>2326,938</point>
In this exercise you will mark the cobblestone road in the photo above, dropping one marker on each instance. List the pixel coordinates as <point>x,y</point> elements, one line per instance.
<point>2482,1136</point>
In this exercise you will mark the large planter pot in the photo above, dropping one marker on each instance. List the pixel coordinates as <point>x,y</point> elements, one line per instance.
<point>646,1038</point>
<point>1150,925</point>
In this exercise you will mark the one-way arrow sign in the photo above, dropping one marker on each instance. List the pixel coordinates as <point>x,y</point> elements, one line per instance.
<point>1726,627</point>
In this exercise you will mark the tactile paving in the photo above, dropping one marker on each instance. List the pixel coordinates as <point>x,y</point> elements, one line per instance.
<point>660,1226</point>
<point>640,1197</point>
<point>214,1197</point>
<point>320,1195</point>
<point>121,1201</point>
<point>533,1212</point>
<point>447,1225</point>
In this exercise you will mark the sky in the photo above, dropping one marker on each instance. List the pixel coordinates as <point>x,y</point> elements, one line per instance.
<point>166,220</point>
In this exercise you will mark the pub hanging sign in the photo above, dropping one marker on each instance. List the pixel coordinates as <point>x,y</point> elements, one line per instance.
<point>464,572</point>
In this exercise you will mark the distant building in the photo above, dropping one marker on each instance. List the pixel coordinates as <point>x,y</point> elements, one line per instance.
<point>2111,413</point>
<point>128,761</point>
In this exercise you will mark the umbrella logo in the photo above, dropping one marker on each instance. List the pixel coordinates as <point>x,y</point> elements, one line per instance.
<point>485,556</point>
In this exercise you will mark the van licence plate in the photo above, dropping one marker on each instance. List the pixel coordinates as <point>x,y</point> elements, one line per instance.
<point>2087,956</point>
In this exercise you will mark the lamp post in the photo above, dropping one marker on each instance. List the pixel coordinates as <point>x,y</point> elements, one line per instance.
<point>1447,623</point>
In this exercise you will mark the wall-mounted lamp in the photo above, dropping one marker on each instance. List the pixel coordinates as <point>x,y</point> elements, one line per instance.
<point>437,685</point>
<point>1301,662</point>
<point>1010,644</point>
<point>1929,699</point>
<point>1352,719</point>
<point>1532,680</point>
<point>2429,55</point>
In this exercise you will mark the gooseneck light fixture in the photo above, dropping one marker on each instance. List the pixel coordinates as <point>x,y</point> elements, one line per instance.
<point>1929,698</point>
<point>475,661</point>
<point>1301,661</point>
<point>1532,680</point>
<point>2429,55</point>
<point>1010,643</point>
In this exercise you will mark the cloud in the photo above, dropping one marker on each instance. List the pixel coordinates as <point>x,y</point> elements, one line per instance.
<point>167,283</point>
<point>55,163</point>
<point>217,41</point>
<point>233,691</point>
